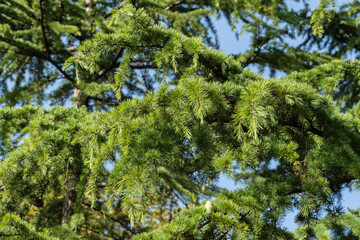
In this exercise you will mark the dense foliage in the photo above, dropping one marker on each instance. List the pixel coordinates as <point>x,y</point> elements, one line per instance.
<point>158,114</point>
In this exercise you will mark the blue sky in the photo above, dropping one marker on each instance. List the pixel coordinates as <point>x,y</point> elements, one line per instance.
<point>230,45</point>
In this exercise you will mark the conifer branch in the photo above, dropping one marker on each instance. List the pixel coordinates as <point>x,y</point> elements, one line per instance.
<point>66,75</point>
<point>10,235</point>
<point>47,47</point>
<point>24,50</point>
<point>174,4</point>
<point>92,230</point>
<point>257,51</point>
<point>203,224</point>
<point>117,7</point>
<point>19,68</point>
<point>252,58</point>
<point>39,55</point>
<point>124,225</point>
<point>62,9</point>
<point>35,53</point>
<point>103,104</point>
<point>224,234</point>
<point>118,54</point>
<point>142,66</point>
<point>23,8</point>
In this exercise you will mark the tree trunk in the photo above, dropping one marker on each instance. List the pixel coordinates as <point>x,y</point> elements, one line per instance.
<point>70,195</point>
<point>73,173</point>
<point>77,101</point>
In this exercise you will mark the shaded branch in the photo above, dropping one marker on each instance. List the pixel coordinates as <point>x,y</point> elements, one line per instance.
<point>257,51</point>
<point>174,4</point>
<point>55,64</point>
<point>252,58</point>
<point>117,7</point>
<point>110,217</point>
<point>43,28</point>
<point>224,234</point>
<point>47,47</point>
<point>118,54</point>
<point>62,8</point>
<point>142,66</point>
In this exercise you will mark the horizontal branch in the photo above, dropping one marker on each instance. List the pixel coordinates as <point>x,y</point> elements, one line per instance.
<point>143,66</point>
